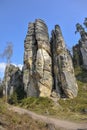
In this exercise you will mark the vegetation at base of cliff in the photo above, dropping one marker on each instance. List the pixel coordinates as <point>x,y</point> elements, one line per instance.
<point>40,105</point>
<point>17,95</point>
<point>77,106</point>
<point>13,99</point>
<point>71,109</point>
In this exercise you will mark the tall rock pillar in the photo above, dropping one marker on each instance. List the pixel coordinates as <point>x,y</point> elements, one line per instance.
<point>37,76</point>
<point>62,68</point>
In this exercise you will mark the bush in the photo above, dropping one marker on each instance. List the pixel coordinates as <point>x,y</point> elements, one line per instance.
<point>13,98</point>
<point>40,105</point>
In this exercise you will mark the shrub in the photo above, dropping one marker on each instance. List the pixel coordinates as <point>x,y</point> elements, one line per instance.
<point>13,98</point>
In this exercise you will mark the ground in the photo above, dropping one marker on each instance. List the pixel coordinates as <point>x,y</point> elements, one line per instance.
<point>44,114</point>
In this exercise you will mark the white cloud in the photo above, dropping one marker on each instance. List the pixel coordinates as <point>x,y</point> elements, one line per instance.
<point>18,65</point>
<point>2,69</point>
<point>3,65</point>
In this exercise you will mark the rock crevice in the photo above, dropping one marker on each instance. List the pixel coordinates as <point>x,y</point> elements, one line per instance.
<point>38,69</point>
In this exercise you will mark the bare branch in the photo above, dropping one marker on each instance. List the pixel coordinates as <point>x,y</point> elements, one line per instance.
<point>7,53</point>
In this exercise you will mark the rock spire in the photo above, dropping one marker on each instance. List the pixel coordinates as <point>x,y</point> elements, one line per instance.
<point>37,75</point>
<point>62,67</point>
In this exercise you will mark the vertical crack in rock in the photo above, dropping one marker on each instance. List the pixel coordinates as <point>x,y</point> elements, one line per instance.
<point>55,70</point>
<point>37,60</point>
<point>34,58</point>
<point>43,62</point>
<point>29,70</point>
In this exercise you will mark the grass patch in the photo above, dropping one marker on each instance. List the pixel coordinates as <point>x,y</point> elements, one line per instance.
<point>13,121</point>
<point>81,74</point>
<point>71,109</point>
<point>40,105</point>
<point>78,105</point>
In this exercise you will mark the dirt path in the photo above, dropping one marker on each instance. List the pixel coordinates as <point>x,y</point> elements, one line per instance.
<point>56,122</point>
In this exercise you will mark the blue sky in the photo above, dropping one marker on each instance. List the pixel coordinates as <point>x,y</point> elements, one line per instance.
<point>16,14</point>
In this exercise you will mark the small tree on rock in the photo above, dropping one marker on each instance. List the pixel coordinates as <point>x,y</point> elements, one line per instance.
<point>8,51</point>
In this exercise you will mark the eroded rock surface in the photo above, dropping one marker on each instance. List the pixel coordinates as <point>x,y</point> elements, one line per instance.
<point>80,49</point>
<point>62,67</point>
<point>48,68</point>
<point>80,52</point>
<point>37,76</point>
<point>13,80</point>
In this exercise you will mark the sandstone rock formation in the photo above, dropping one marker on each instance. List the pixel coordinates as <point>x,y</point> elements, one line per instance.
<point>13,80</point>
<point>48,68</point>
<point>62,67</point>
<point>77,58</point>
<point>80,52</point>
<point>37,76</point>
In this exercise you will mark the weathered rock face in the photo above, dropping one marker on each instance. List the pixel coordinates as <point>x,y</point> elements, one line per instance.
<point>48,68</point>
<point>80,52</point>
<point>13,79</point>
<point>62,68</point>
<point>37,76</point>
<point>47,71</point>
<point>77,58</point>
